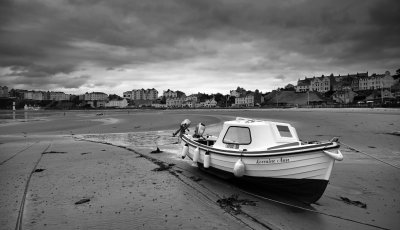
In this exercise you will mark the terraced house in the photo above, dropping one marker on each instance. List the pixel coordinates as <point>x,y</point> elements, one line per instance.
<point>356,82</point>
<point>376,81</point>
<point>246,100</point>
<point>321,84</point>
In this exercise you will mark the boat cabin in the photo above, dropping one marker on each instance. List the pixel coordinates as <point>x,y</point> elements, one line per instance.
<point>256,135</point>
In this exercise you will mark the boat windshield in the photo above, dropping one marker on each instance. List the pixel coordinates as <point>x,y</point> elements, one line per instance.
<point>237,135</point>
<point>284,131</point>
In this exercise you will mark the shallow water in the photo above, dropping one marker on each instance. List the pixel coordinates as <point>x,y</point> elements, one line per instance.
<point>135,139</point>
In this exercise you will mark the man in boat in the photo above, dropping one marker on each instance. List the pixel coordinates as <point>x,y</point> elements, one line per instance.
<point>182,128</point>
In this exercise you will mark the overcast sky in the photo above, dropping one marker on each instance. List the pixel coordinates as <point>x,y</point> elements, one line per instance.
<point>192,45</point>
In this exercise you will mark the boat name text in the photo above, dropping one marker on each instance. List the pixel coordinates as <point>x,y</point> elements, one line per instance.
<point>273,161</point>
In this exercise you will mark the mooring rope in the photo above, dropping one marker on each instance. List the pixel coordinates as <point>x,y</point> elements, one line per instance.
<point>18,225</point>
<point>15,154</point>
<point>376,158</point>
<point>310,210</point>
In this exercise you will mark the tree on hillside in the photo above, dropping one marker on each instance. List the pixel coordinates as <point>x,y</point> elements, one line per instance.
<point>114,97</point>
<point>289,87</point>
<point>218,97</point>
<point>397,76</point>
<point>163,100</point>
<point>202,97</point>
<point>180,94</point>
<point>231,101</point>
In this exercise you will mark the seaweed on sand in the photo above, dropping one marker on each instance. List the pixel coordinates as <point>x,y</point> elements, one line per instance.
<point>53,152</point>
<point>162,166</point>
<point>353,202</point>
<point>82,201</point>
<point>233,204</point>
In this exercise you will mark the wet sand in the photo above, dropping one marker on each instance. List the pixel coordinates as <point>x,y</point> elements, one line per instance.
<point>106,161</point>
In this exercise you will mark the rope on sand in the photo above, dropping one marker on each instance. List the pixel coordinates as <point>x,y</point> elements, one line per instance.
<point>314,211</point>
<point>18,225</point>
<point>293,206</point>
<point>357,150</point>
<point>15,154</point>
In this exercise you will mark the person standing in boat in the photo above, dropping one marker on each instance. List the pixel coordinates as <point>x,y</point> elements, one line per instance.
<point>182,128</point>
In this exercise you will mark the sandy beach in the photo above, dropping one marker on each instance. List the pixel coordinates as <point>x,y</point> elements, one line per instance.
<point>83,170</point>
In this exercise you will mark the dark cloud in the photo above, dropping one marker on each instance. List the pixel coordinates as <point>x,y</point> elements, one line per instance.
<point>43,39</point>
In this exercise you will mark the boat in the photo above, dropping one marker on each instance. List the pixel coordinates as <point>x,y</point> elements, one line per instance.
<point>265,153</point>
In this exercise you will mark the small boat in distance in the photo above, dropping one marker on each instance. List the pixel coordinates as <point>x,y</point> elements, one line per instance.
<point>267,154</point>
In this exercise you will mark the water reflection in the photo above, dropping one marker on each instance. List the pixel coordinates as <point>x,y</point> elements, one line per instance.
<point>23,115</point>
<point>136,139</point>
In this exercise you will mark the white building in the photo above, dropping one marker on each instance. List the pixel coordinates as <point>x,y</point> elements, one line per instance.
<point>117,104</point>
<point>175,102</point>
<point>247,101</point>
<point>141,94</point>
<point>213,103</point>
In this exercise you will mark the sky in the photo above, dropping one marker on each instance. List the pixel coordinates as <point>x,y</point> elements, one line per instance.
<point>206,46</point>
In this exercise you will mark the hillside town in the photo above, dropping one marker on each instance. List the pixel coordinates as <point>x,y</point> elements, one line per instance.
<point>359,89</point>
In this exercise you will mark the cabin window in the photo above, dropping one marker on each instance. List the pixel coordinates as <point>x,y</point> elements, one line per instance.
<point>284,131</point>
<point>237,135</point>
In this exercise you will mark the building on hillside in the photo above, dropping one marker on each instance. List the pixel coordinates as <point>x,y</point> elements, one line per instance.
<point>321,84</point>
<point>34,95</point>
<point>355,79</point>
<point>59,96</point>
<point>4,91</point>
<point>303,85</point>
<point>376,81</point>
<point>345,96</point>
<point>192,97</point>
<point>38,95</point>
<point>117,104</point>
<point>327,83</point>
<point>175,102</point>
<point>380,96</point>
<point>144,94</point>
<point>28,95</point>
<point>388,95</point>
<point>210,103</point>
<point>234,93</point>
<point>190,103</point>
<point>245,101</point>
<point>127,95</point>
<point>170,94</point>
<point>95,96</point>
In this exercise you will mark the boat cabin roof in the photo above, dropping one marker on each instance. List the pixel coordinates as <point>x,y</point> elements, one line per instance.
<point>255,135</point>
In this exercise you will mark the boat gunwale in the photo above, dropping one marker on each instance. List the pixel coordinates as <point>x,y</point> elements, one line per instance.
<point>264,153</point>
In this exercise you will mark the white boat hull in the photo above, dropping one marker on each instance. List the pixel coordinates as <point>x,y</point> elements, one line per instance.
<point>307,170</point>
<point>314,165</point>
